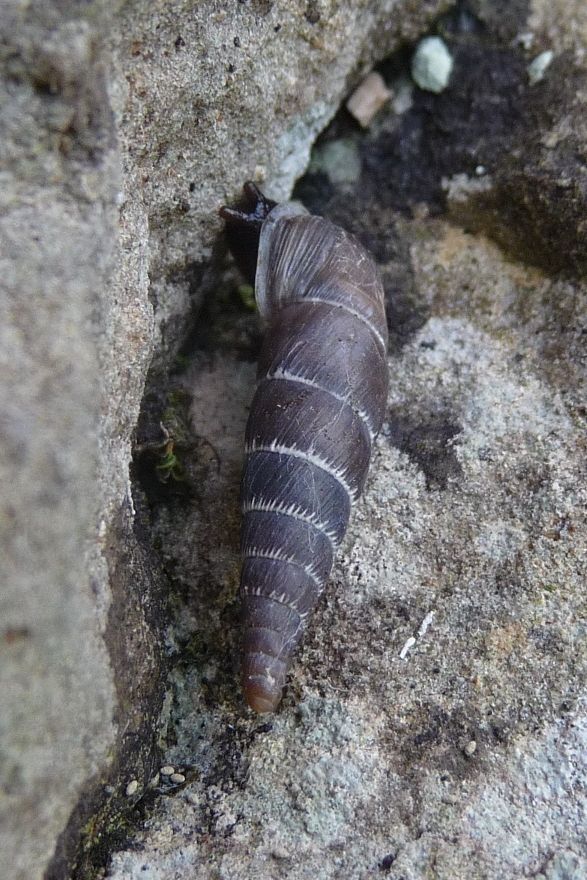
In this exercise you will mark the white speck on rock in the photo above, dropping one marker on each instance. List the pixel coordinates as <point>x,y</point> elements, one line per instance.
<point>538,67</point>
<point>132,787</point>
<point>470,748</point>
<point>409,644</point>
<point>460,187</point>
<point>425,624</point>
<point>524,40</point>
<point>432,65</point>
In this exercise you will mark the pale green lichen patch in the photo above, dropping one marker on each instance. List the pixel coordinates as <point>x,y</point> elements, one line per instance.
<point>538,67</point>
<point>432,65</point>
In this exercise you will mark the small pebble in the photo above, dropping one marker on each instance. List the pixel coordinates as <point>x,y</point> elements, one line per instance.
<point>340,160</point>
<point>132,787</point>
<point>470,748</point>
<point>168,770</point>
<point>177,778</point>
<point>525,40</point>
<point>538,67</point>
<point>432,65</point>
<point>280,853</point>
<point>368,99</point>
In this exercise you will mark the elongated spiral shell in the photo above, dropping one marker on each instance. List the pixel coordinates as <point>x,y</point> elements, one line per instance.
<point>318,406</point>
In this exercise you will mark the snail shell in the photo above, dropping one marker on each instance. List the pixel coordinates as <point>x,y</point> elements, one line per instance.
<point>318,406</point>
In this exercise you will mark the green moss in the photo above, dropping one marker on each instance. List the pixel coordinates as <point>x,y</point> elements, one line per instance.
<point>170,467</point>
<point>247,296</point>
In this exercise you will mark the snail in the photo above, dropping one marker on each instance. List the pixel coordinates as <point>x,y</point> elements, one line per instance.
<point>318,406</point>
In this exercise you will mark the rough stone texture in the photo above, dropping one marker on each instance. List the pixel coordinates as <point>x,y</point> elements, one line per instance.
<point>548,151</point>
<point>57,233</point>
<point>462,753</point>
<point>466,756</point>
<point>208,96</point>
<point>123,127</point>
<point>478,517</point>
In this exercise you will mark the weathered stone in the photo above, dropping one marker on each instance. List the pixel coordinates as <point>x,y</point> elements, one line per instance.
<point>365,765</point>
<point>124,127</point>
<point>467,547</point>
<point>57,236</point>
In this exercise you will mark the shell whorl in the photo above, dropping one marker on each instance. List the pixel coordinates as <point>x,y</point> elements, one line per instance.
<point>306,258</point>
<point>318,405</point>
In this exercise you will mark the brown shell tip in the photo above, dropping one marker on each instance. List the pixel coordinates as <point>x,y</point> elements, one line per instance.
<point>260,697</point>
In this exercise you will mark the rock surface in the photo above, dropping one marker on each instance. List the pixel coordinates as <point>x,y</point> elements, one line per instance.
<point>58,227</point>
<point>123,127</point>
<point>435,720</point>
<point>475,513</point>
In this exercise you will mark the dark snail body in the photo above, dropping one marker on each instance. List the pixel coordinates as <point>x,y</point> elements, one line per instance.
<point>318,406</point>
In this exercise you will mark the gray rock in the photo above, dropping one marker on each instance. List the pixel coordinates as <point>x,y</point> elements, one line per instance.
<point>539,65</point>
<point>475,511</point>
<point>123,129</point>
<point>57,233</point>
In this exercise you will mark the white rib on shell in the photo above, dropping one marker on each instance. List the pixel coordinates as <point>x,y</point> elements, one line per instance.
<point>277,553</point>
<point>295,511</point>
<point>339,474</point>
<point>280,373</point>
<point>273,597</point>
<point>278,600</point>
<point>337,305</point>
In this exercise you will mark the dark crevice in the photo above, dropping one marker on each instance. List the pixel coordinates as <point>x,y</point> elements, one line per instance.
<point>489,123</point>
<point>105,815</point>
